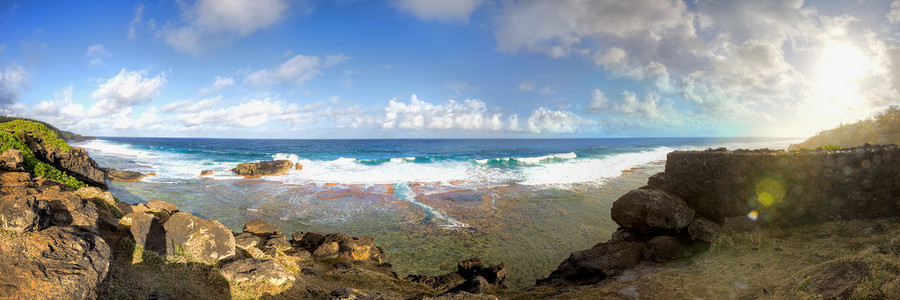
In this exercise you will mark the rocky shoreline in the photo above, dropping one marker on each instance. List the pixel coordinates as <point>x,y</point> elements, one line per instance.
<point>58,242</point>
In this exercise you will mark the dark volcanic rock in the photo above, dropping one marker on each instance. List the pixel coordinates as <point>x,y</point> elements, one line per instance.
<point>127,176</point>
<point>75,162</point>
<point>471,276</point>
<point>205,240</point>
<point>663,248</point>
<point>650,210</point>
<point>19,213</point>
<point>597,263</point>
<point>340,245</point>
<point>252,269</point>
<point>495,275</point>
<point>263,168</point>
<point>704,230</point>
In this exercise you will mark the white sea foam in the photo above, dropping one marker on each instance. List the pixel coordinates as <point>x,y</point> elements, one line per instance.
<point>539,159</point>
<point>591,169</point>
<point>113,148</point>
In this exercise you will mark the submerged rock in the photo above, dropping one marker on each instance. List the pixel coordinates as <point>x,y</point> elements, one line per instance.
<point>263,168</point>
<point>204,240</point>
<point>127,176</point>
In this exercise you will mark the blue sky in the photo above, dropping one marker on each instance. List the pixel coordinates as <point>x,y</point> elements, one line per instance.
<point>467,68</point>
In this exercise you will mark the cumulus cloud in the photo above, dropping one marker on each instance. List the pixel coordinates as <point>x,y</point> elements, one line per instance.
<point>543,120</point>
<point>296,70</point>
<point>124,90</point>
<point>97,53</point>
<point>439,10</point>
<point>208,21</point>
<point>13,80</point>
<point>219,84</point>
<point>190,106</point>
<point>253,113</point>
<point>530,86</point>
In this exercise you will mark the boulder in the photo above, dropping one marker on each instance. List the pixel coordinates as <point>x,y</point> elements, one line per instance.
<point>704,230</point>
<point>327,250</point>
<point>663,248</point>
<point>471,276</point>
<point>597,263</point>
<point>245,240</point>
<point>147,232</point>
<point>19,213</point>
<point>477,285</point>
<point>162,206</point>
<point>261,228</point>
<point>309,241</point>
<point>298,166</point>
<point>127,176</point>
<point>206,173</point>
<point>60,262</point>
<point>255,269</point>
<point>263,168</point>
<point>11,160</point>
<point>650,210</point>
<point>91,192</point>
<point>204,240</point>
<point>494,274</point>
<point>75,162</point>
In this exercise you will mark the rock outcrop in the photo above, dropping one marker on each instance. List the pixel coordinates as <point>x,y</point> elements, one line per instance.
<point>53,249</point>
<point>11,159</point>
<point>257,269</point>
<point>263,168</point>
<point>338,245</point>
<point>75,162</point>
<point>127,176</point>
<point>648,210</point>
<point>204,240</point>
<point>471,276</point>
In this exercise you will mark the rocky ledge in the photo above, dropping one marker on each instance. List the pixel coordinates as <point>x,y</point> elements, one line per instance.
<point>263,168</point>
<point>75,161</point>
<point>126,176</point>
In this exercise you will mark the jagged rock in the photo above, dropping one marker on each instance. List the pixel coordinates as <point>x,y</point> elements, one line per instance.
<point>327,250</point>
<point>470,276</point>
<point>125,208</point>
<point>11,160</point>
<point>277,241</point>
<point>95,193</point>
<point>838,280</point>
<point>663,248</point>
<point>650,210</point>
<point>60,262</point>
<point>19,213</point>
<point>494,274</point>
<point>245,240</point>
<point>205,240</point>
<point>75,162</point>
<point>147,232</point>
<point>206,173</point>
<point>65,208</point>
<point>598,262</point>
<point>253,269</point>
<point>162,205</point>
<point>309,241</point>
<point>261,228</point>
<point>740,224</point>
<point>263,168</point>
<point>127,176</point>
<point>477,285</point>
<point>298,166</point>
<point>704,230</point>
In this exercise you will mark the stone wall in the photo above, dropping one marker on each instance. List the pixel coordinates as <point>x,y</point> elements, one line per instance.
<point>786,188</point>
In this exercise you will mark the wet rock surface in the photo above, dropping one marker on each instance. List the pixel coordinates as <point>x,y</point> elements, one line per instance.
<point>263,168</point>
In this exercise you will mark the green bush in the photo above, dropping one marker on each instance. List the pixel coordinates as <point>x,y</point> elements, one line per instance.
<point>38,130</point>
<point>34,166</point>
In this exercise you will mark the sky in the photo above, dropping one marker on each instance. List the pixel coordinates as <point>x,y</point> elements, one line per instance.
<point>448,69</point>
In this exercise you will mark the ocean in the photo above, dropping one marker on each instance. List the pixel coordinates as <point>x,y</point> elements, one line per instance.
<point>429,203</point>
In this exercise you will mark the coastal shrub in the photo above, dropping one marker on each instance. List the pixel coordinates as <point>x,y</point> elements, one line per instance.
<point>38,130</point>
<point>34,166</point>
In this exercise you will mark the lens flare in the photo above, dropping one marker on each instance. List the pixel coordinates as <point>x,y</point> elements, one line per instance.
<point>753,214</point>
<point>769,191</point>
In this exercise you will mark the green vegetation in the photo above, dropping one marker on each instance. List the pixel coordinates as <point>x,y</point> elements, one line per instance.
<point>39,130</point>
<point>34,166</point>
<point>65,135</point>
<point>883,128</point>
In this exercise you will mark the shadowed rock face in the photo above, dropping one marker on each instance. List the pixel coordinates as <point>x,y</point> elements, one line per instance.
<point>263,168</point>
<point>652,210</point>
<point>75,162</point>
<point>58,253</point>
<point>205,240</point>
<point>471,276</point>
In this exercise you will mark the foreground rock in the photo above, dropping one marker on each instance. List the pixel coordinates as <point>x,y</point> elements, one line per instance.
<point>252,269</point>
<point>56,252</point>
<point>652,210</point>
<point>11,160</point>
<point>75,162</point>
<point>263,168</point>
<point>471,276</point>
<point>127,176</point>
<point>338,245</point>
<point>204,240</point>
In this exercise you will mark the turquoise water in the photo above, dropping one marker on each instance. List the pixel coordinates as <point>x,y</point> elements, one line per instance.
<point>429,203</point>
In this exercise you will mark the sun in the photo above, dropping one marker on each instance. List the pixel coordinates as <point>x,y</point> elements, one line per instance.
<point>840,68</point>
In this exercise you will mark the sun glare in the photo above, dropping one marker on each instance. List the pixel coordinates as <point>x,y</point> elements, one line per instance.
<point>840,67</point>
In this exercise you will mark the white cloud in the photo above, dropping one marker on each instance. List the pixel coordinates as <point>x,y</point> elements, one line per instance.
<point>124,90</point>
<point>190,106</point>
<point>219,84</point>
<point>210,21</point>
<point>439,10</point>
<point>894,15</point>
<point>296,70</point>
<point>467,115</point>
<point>530,86</point>
<point>97,53</point>
<point>136,22</point>
<point>543,120</point>
<point>254,113</point>
<point>13,80</point>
